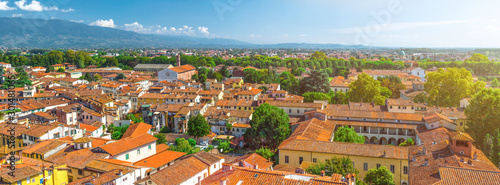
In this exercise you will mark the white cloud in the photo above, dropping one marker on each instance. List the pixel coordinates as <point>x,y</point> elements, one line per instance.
<point>33,6</point>
<point>17,15</point>
<point>104,23</point>
<point>136,27</point>
<point>67,10</point>
<point>303,35</point>
<point>4,6</point>
<point>77,21</point>
<point>203,30</point>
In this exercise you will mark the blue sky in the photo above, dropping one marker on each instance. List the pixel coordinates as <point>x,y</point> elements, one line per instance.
<point>397,23</point>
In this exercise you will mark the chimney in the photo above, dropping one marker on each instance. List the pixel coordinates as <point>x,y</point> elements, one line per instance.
<point>414,158</point>
<point>475,156</point>
<point>199,180</point>
<point>322,173</point>
<point>424,151</point>
<point>178,60</point>
<point>426,162</point>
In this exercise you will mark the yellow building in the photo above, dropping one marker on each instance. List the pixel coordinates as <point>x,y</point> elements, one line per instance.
<point>59,66</point>
<point>57,75</point>
<point>234,82</point>
<point>31,171</point>
<point>5,133</point>
<point>312,142</point>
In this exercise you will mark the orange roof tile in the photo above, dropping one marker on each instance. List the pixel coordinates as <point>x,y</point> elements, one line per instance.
<point>160,159</point>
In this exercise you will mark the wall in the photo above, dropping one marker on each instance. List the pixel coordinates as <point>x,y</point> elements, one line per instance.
<point>358,162</point>
<point>133,157</point>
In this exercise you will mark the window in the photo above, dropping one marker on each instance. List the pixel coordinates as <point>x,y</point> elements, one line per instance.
<point>286,159</point>
<point>80,172</point>
<point>139,152</point>
<point>33,180</point>
<point>126,157</point>
<point>392,168</point>
<point>28,180</point>
<point>315,160</point>
<point>298,111</point>
<point>378,166</point>
<point>19,182</point>
<point>149,147</point>
<point>405,170</point>
<point>365,166</point>
<point>300,160</point>
<point>90,117</point>
<point>289,110</point>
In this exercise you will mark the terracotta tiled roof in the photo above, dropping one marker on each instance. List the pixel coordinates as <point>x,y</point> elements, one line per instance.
<point>437,117</point>
<point>254,160</point>
<point>367,150</point>
<point>43,147</point>
<point>137,129</point>
<point>88,128</point>
<point>312,129</point>
<point>75,158</point>
<point>246,176</point>
<point>160,159</point>
<point>129,143</point>
<point>179,172</point>
<point>183,68</point>
<point>161,147</point>
<point>104,178</point>
<point>464,176</point>
<point>39,130</point>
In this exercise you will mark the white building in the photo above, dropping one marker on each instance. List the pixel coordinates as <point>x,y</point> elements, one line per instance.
<point>131,149</point>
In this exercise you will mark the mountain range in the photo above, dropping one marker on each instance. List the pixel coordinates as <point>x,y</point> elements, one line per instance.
<point>59,34</point>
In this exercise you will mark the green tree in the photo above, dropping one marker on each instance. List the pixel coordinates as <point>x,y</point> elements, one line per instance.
<point>495,156</point>
<point>217,76</point>
<point>318,81</point>
<point>385,92</point>
<point>229,128</point>
<point>194,77</point>
<point>348,135</point>
<point>408,142</point>
<point>318,55</point>
<point>269,127</point>
<point>120,76</point>
<point>264,89</point>
<point>364,89</point>
<point>192,142</point>
<point>311,96</point>
<point>160,138</point>
<point>225,146</point>
<point>393,83</point>
<point>477,57</point>
<point>445,88</point>
<point>335,165</point>
<point>265,153</point>
<point>182,145</point>
<point>483,115</point>
<point>198,126</point>
<point>380,176</point>
<point>60,70</point>
<point>97,77</point>
<point>224,71</point>
<point>488,147</point>
<point>116,135</point>
<point>202,78</point>
<point>420,98</point>
<point>165,130</point>
<point>495,83</point>
<point>340,98</point>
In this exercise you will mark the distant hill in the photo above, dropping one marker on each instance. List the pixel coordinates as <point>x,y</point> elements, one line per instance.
<point>55,33</point>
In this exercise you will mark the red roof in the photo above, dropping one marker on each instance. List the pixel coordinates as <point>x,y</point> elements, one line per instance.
<point>160,159</point>
<point>128,144</point>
